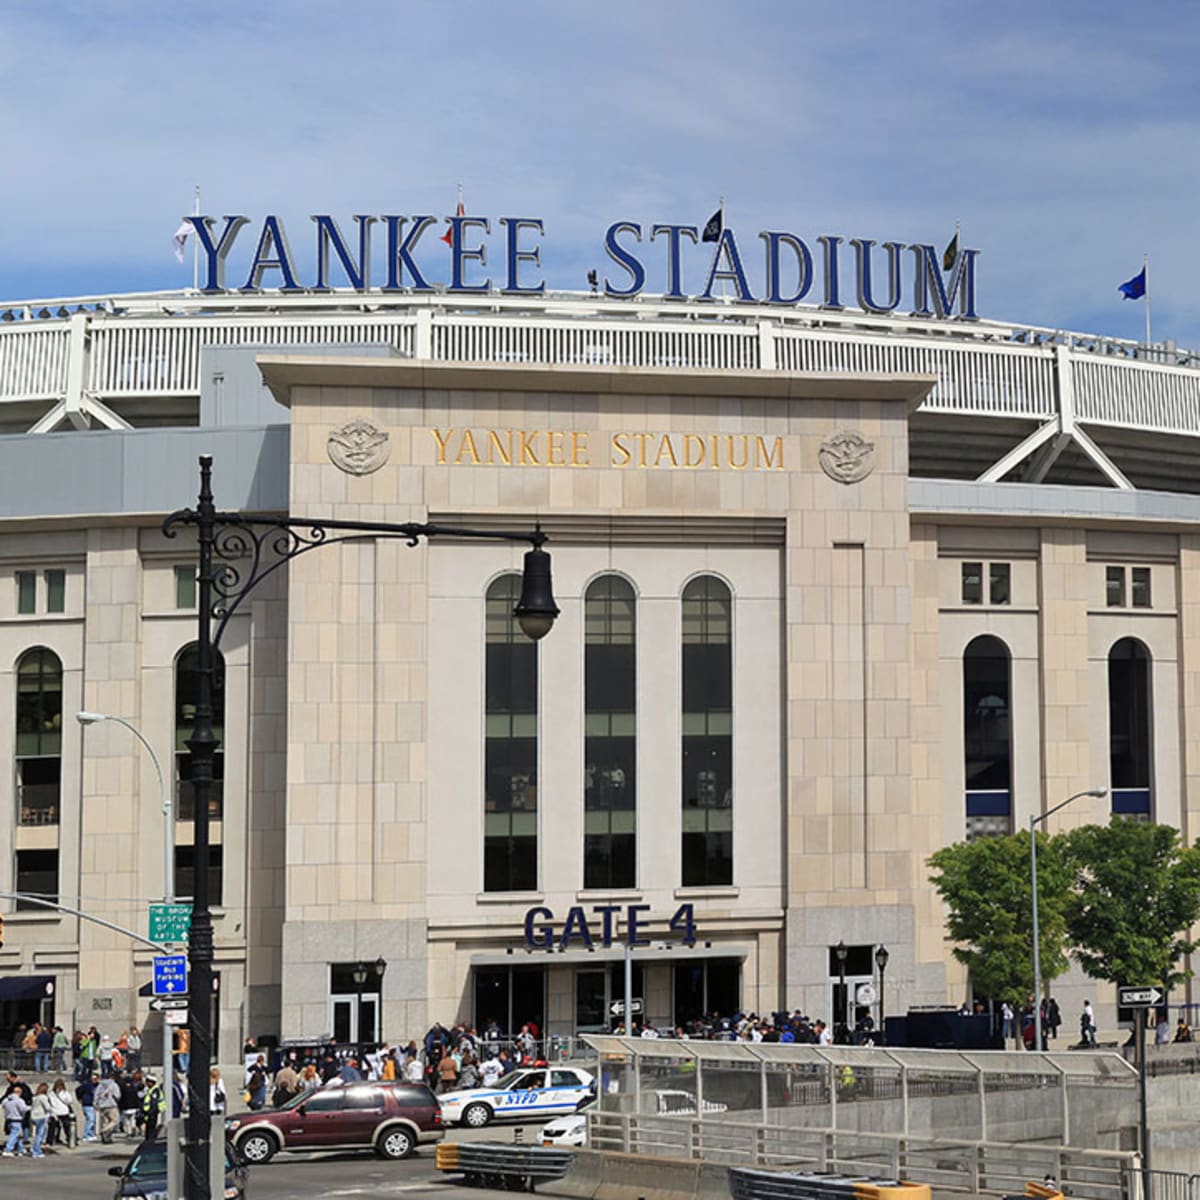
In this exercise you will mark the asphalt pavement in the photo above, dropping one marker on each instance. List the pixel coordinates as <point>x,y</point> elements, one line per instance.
<point>82,1173</point>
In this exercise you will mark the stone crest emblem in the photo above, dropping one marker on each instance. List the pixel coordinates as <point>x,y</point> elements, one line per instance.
<point>847,456</point>
<point>358,448</point>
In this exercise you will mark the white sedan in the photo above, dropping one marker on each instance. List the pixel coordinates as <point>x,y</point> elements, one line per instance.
<point>521,1095</point>
<point>565,1131</point>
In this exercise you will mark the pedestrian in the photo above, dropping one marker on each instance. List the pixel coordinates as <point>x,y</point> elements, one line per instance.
<point>286,1085</point>
<point>1053,1017</point>
<point>447,1070</point>
<point>15,1109</point>
<point>59,1044</point>
<point>106,1056</point>
<point>468,1075</point>
<point>85,1093</point>
<point>41,1056</point>
<point>1007,1022</point>
<point>107,1099</point>
<point>1087,1025</point>
<point>179,1095</point>
<point>183,1049</point>
<point>39,1114</point>
<point>154,1105</point>
<point>133,1049</point>
<point>218,1101</point>
<point>256,1083</point>
<point>62,1116</point>
<point>131,1102</point>
<point>414,1072</point>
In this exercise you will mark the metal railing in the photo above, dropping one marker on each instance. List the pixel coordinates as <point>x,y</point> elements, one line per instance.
<point>955,1165</point>
<point>148,345</point>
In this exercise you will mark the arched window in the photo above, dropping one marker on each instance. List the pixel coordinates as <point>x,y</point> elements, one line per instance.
<point>38,768</point>
<point>187,693</point>
<point>707,733</point>
<point>987,737</point>
<point>39,737</point>
<point>510,833</point>
<point>1129,745</point>
<point>610,742</point>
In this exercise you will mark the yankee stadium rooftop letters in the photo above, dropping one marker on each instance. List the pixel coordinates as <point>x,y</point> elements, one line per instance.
<point>838,588</point>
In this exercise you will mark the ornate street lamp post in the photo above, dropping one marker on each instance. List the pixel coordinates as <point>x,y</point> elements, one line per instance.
<point>881,961</point>
<point>840,1027</point>
<point>236,553</point>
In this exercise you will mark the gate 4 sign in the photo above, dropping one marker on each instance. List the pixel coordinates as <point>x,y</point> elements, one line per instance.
<point>170,975</point>
<point>1139,997</point>
<point>602,927</point>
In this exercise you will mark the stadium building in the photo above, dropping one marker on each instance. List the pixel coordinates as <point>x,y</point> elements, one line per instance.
<point>837,588</point>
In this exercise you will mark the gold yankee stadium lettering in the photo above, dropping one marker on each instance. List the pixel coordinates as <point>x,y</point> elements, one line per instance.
<point>573,448</point>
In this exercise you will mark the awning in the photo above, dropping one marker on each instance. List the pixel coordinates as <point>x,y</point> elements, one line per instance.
<point>26,987</point>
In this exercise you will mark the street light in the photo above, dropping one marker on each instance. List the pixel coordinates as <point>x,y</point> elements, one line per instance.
<point>839,1029</point>
<point>359,974</point>
<point>1034,819</point>
<point>881,961</point>
<point>235,554</point>
<point>94,718</point>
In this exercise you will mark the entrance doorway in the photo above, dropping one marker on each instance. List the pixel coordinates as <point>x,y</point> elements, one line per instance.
<point>350,1021</point>
<point>597,990</point>
<point>859,969</point>
<point>511,997</point>
<point>706,987</point>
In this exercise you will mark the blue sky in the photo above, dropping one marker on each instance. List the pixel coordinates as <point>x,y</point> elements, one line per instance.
<point>1063,136</point>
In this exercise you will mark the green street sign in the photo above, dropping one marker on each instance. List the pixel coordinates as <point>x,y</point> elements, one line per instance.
<point>170,923</point>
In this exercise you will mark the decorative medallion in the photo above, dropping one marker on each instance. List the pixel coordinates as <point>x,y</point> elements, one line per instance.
<point>847,456</point>
<point>358,448</point>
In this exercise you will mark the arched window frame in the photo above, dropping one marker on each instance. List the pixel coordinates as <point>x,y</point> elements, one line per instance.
<point>1130,671</point>
<point>988,787</point>
<point>706,687</point>
<point>610,733</point>
<point>37,759</point>
<point>510,781</point>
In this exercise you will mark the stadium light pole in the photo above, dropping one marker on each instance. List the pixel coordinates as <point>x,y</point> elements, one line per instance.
<point>235,553</point>
<point>1034,820</point>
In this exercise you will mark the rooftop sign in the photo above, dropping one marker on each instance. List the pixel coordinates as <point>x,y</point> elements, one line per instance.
<point>858,271</point>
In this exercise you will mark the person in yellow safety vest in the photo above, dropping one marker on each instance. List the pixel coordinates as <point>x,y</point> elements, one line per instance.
<point>154,1105</point>
<point>846,1078</point>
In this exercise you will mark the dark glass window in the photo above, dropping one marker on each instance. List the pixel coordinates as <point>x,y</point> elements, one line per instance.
<point>187,693</point>
<point>1139,587</point>
<point>39,737</point>
<point>510,844</point>
<point>707,733</point>
<point>972,583</point>
<point>56,591</point>
<point>1129,709</point>
<point>326,1100</point>
<point>185,873</point>
<point>37,875</point>
<point>1114,587</point>
<point>610,743</point>
<point>185,587</point>
<point>26,592</point>
<point>999,583</point>
<point>987,737</point>
<point>511,997</point>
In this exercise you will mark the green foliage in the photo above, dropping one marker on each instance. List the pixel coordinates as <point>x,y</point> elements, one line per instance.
<point>986,887</point>
<point>1137,891</point>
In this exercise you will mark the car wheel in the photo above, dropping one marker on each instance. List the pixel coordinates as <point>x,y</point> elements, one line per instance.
<point>476,1115</point>
<point>257,1148</point>
<point>395,1143</point>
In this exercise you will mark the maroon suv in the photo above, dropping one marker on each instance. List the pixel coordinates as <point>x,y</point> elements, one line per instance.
<point>390,1118</point>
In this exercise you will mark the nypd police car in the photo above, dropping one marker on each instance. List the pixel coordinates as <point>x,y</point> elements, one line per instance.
<point>524,1094</point>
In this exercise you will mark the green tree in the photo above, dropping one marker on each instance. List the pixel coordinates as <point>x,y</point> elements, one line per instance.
<point>986,887</point>
<point>1137,892</point>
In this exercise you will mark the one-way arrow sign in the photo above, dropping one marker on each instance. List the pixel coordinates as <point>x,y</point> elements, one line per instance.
<point>1139,997</point>
<point>168,1003</point>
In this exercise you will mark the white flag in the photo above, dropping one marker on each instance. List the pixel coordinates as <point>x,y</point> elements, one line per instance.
<point>181,237</point>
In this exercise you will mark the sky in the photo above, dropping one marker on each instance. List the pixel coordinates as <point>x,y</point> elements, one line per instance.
<point>1062,136</point>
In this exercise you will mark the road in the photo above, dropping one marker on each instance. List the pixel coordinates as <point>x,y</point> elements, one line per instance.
<point>82,1174</point>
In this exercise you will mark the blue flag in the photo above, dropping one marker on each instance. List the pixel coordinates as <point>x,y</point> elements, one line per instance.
<point>1135,288</point>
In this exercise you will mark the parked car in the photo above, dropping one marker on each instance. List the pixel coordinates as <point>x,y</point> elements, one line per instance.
<point>390,1118</point>
<point>521,1095</point>
<point>565,1131</point>
<point>145,1173</point>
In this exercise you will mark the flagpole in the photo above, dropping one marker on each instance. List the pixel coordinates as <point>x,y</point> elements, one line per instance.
<point>196,244</point>
<point>1146,294</point>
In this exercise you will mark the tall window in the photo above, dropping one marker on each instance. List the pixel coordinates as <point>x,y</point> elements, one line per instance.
<point>185,873</point>
<point>39,737</point>
<point>510,746</point>
<point>1129,729</point>
<point>610,743</point>
<point>707,733</point>
<point>987,737</point>
<point>187,692</point>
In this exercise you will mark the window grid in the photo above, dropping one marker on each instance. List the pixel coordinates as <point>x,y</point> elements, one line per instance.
<point>56,591</point>
<point>185,587</point>
<point>38,759</point>
<point>707,720</point>
<point>610,744</point>
<point>26,592</point>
